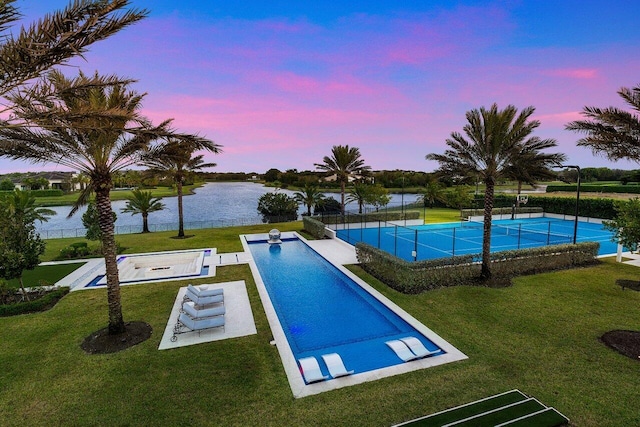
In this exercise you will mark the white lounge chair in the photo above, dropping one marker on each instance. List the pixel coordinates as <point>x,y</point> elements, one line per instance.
<point>202,301</point>
<point>401,350</point>
<point>189,307</point>
<point>193,325</point>
<point>311,370</point>
<point>205,291</point>
<point>417,347</point>
<point>335,365</point>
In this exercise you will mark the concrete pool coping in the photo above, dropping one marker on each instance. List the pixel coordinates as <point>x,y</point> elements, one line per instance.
<point>94,267</point>
<point>296,382</point>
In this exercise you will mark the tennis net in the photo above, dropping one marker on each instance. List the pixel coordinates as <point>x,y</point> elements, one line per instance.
<point>518,231</point>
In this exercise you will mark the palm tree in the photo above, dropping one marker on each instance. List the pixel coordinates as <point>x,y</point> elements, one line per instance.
<point>174,159</point>
<point>611,131</point>
<point>310,196</point>
<point>532,165</point>
<point>359,193</point>
<point>57,37</point>
<point>494,140</point>
<point>344,162</point>
<point>91,125</point>
<point>432,192</point>
<point>143,202</point>
<point>21,205</point>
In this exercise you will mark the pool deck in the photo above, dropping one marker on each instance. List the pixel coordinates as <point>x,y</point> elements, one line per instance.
<point>238,322</point>
<point>335,251</point>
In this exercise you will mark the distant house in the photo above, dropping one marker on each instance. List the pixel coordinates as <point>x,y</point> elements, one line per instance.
<point>56,180</point>
<point>350,178</point>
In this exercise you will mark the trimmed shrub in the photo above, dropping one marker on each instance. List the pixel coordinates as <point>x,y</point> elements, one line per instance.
<point>466,213</point>
<point>586,188</point>
<point>415,277</point>
<point>313,227</point>
<point>594,208</point>
<point>40,304</point>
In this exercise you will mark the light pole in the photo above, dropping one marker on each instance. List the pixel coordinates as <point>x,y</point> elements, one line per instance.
<point>575,222</point>
<point>402,200</point>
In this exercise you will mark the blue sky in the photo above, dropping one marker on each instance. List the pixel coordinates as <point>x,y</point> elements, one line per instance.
<point>279,83</point>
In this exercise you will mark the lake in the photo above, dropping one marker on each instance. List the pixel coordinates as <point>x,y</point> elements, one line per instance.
<point>217,204</point>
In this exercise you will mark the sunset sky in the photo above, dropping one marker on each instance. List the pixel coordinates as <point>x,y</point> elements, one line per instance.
<point>278,83</point>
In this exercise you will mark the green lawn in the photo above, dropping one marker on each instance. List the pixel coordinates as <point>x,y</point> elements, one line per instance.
<point>70,199</point>
<point>44,275</point>
<point>540,336</point>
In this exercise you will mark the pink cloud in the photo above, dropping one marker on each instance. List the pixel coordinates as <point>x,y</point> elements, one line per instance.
<point>574,73</point>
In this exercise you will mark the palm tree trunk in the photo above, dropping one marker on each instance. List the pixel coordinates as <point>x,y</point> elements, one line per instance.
<point>105,219</point>
<point>518,196</point>
<point>180,212</point>
<point>342,188</point>
<point>486,234</point>
<point>309,208</point>
<point>145,222</point>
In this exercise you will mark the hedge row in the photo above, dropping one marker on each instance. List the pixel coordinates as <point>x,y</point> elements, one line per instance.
<point>415,277</point>
<point>329,219</point>
<point>595,188</point>
<point>466,213</point>
<point>594,208</point>
<point>313,227</point>
<point>37,305</point>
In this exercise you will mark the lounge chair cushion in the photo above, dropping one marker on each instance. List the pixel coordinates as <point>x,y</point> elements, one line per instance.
<point>417,348</point>
<point>200,301</point>
<point>311,370</point>
<point>401,350</point>
<point>204,291</point>
<point>195,313</point>
<point>335,365</point>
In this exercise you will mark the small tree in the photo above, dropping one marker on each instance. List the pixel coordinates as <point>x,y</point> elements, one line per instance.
<point>143,203</point>
<point>20,245</point>
<point>276,207</point>
<point>458,197</point>
<point>377,196</point>
<point>6,185</point>
<point>626,224</point>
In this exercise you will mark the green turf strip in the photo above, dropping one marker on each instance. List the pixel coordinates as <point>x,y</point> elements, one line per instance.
<point>466,411</point>
<point>548,418</point>
<point>503,415</point>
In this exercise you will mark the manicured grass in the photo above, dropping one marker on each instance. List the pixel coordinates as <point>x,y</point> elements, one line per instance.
<point>540,336</point>
<point>224,239</point>
<point>70,199</point>
<point>44,275</point>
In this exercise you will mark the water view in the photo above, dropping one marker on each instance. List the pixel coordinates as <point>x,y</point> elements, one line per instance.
<point>219,204</point>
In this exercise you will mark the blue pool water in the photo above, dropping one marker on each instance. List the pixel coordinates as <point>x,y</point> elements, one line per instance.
<point>322,310</point>
<point>431,241</point>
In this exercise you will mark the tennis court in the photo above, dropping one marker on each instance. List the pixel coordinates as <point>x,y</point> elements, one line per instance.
<point>420,242</point>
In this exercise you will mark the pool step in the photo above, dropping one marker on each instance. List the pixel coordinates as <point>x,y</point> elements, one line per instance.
<point>512,408</point>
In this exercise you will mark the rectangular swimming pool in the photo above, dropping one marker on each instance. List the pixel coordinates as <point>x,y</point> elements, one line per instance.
<point>321,309</point>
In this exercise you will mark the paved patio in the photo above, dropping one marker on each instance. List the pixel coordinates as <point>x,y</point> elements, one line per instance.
<point>238,318</point>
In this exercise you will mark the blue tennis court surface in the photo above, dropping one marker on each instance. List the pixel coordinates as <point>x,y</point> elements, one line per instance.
<point>429,241</point>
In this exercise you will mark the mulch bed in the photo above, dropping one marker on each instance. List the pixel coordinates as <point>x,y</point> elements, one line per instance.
<point>101,342</point>
<point>624,342</point>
